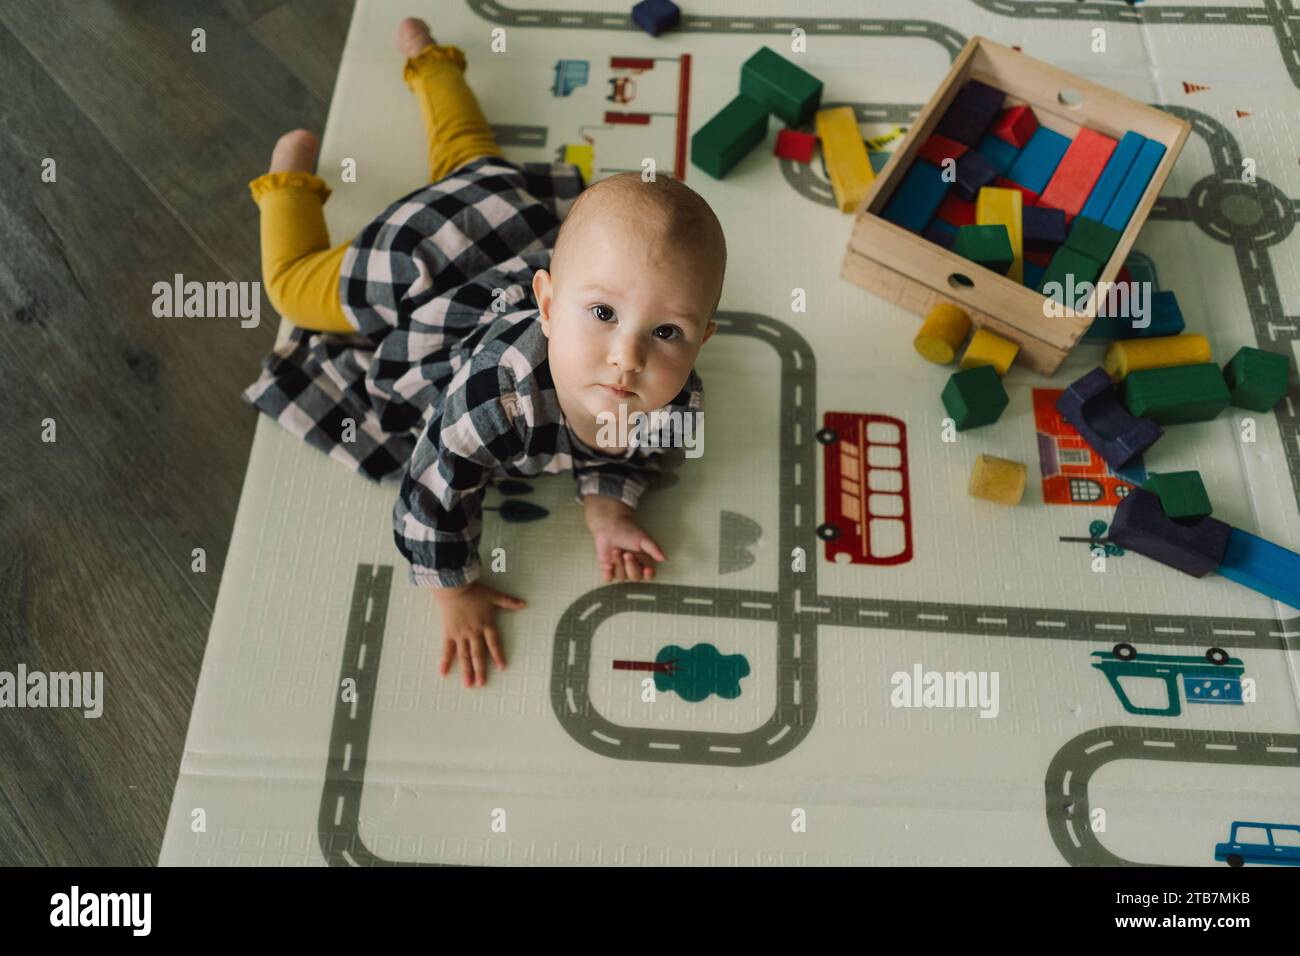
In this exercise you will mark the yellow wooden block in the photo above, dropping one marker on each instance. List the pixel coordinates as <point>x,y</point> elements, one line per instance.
<point>1134,355</point>
<point>846,156</point>
<point>986,348</point>
<point>942,333</point>
<point>997,479</point>
<point>1003,207</point>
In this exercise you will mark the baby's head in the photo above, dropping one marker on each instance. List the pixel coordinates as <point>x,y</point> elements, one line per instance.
<point>634,282</point>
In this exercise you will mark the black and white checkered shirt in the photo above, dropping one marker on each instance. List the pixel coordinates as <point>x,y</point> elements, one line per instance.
<point>446,385</point>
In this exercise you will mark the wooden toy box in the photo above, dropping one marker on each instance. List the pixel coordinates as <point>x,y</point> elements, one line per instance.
<point>915,273</point>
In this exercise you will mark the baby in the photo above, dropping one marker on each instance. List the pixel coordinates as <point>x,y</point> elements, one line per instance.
<point>419,354</point>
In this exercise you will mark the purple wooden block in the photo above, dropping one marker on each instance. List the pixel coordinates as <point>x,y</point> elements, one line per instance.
<point>1193,547</point>
<point>974,172</point>
<point>940,233</point>
<point>1093,406</point>
<point>1042,227</point>
<point>971,113</point>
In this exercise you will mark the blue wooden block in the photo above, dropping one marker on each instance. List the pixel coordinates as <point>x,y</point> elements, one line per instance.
<point>971,113</point>
<point>1092,404</point>
<point>1262,566</point>
<point>974,172</point>
<point>1112,176</point>
<point>1039,159</point>
<point>940,232</point>
<point>1033,274</point>
<point>1042,227</point>
<point>1166,319</point>
<point>656,16</point>
<point>1135,182</point>
<point>998,152</point>
<point>917,197</point>
<point>1193,547</point>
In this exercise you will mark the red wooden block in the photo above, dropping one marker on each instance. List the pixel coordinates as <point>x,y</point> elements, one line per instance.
<point>1016,125</point>
<point>956,211</point>
<point>1039,257</point>
<point>791,144</point>
<point>1029,197</point>
<point>1124,275</point>
<point>1077,172</point>
<point>939,147</point>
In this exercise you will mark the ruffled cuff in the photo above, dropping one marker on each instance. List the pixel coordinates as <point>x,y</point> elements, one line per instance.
<point>433,53</point>
<point>288,179</point>
<point>449,578</point>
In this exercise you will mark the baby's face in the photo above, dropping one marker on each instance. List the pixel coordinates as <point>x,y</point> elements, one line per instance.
<point>625,313</point>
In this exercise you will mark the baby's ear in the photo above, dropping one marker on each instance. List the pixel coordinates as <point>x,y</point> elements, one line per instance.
<point>708,332</point>
<point>542,295</point>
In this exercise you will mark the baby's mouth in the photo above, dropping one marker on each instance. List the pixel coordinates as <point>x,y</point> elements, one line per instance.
<point>616,391</point>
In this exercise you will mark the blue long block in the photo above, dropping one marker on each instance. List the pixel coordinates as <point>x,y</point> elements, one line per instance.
<point>1033,274</point>
<point>1112,177</point>
<point>998,152</point>
<point>917,198</point>
<point>1092,404</point>
<point>1039,159</point>
<point>1193,547</point>
<point>1135,184</point>
<point>1262,566</point>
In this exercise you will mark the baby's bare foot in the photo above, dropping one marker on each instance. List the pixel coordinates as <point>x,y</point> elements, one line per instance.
<point>412,36</point>
<point>295,151</point>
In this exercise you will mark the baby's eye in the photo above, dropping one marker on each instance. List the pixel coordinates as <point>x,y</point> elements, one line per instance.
<point>595,310</point>
<point>673,331</point>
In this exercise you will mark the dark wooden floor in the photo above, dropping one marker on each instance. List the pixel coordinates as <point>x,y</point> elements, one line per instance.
<point>154,145</point>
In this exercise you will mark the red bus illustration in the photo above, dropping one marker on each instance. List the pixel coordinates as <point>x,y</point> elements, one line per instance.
<point>868,509</point>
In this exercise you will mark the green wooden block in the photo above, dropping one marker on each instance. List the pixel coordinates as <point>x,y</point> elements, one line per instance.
<point>1068,264</point>
<point>1182,494</point>
<point>974,397</point>
<point>789,91</point>
<point>1256,379</point>
<point>990,246</point>
<point>1173,396</point>
<point>1092,239</point>
<point>724,140</point>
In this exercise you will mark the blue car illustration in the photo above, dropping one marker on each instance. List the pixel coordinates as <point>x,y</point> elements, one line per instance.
<point>1249,842</point>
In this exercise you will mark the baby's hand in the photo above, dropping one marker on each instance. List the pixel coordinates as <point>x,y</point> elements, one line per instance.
<point>622,548</point>
<point>469,617</point>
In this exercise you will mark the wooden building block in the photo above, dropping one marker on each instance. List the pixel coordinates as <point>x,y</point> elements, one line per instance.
<point>989,348</point>
<point>998,479</point>
<point>971,113</point>
<point>942,333</point>
<point>1177,395</point>
<point>1028,196</point>
<point>1130,191</point>
<point>792,144</point>
<point>1092,405</point>
<point>989,246</point>
<point>1163,352</point>
<point>724,140</point>
<point>1002,207</point>
<point>1068,268</point>
<point>787,90</point>
<point>1015,125</point>
<point>956,211</point>
<point>1078,172</point>
<point>1112,177</point>
<point>1181,493</point>
<point>974,397</point>
<point>656,16</point>
<point>998,152</point>
<point>1037,162</point>
<point>974,172</point>
<point>1257,379</point>
<point>940,232</point>
<point>1092,239</point>
<point>1043,229</point>
<point>938,148</point>
<point>1262,566</point>
<point>1195,547</point>
<point>846,159</point>
<point>917,198</point>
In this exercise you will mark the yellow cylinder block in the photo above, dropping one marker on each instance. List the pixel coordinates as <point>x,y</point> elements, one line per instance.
<point>1134,355</point>
<point>997,479</point>
<point>942,333</point>
<point>987,348</point>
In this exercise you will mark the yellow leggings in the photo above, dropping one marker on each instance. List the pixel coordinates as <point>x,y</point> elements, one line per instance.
<point>299,269</point>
